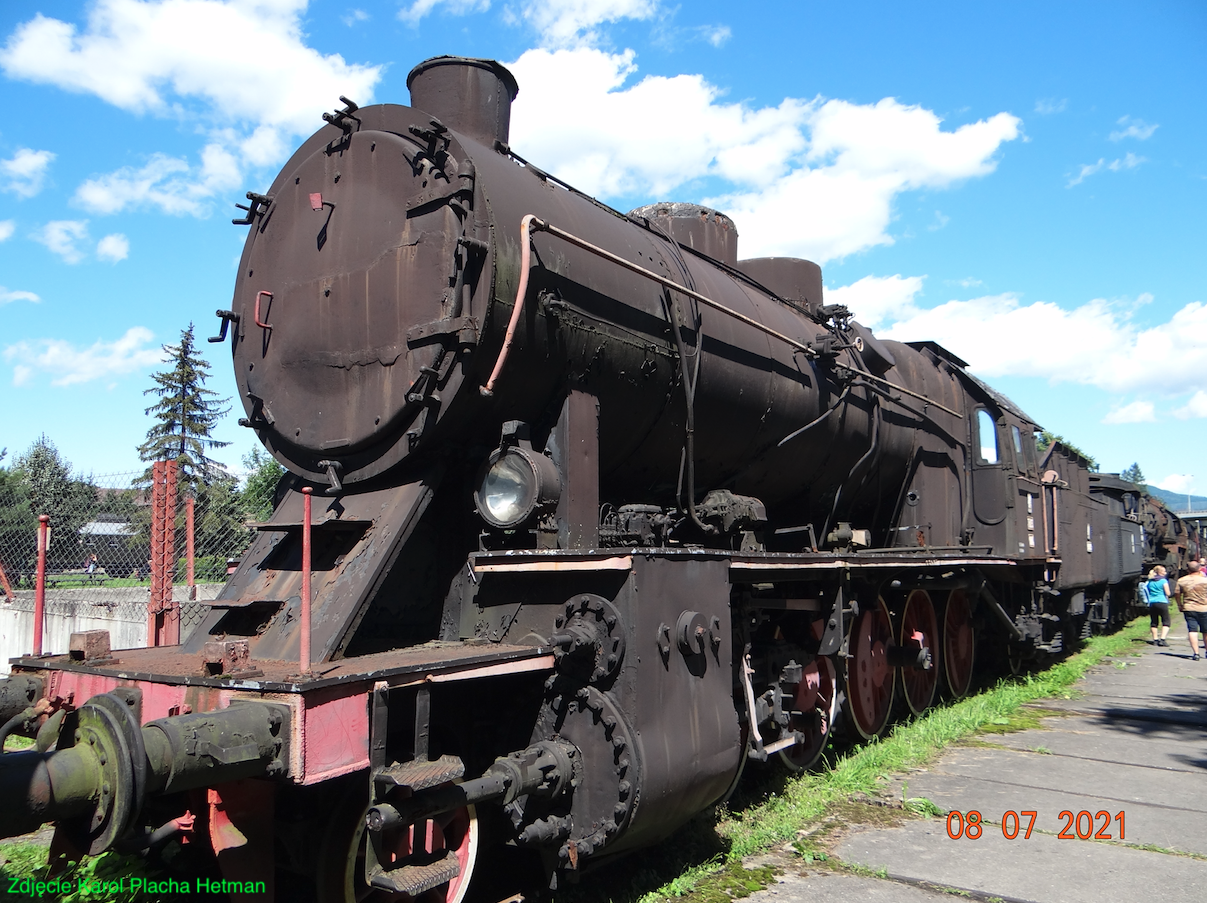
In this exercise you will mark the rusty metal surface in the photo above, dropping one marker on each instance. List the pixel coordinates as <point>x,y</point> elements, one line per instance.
<point>172,666</point>
<point>357,539</point>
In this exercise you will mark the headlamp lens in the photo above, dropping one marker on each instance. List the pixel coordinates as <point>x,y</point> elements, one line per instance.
<point>509,490</point>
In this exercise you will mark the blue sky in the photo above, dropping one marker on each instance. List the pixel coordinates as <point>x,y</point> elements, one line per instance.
<point>1024,183</point>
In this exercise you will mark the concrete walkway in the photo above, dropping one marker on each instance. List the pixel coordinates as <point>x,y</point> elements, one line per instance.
<point>1133,745</point>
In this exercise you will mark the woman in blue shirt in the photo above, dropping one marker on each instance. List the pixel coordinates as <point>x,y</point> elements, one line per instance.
<point>1156,593</point>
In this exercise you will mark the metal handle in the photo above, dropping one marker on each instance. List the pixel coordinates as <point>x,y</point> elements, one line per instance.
<point>227,317</point>
<point>259,322</point>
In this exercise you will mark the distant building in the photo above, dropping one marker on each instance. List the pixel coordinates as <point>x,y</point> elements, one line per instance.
<point>116,542</point>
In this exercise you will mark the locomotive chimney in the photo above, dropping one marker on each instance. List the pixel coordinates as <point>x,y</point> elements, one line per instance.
<point>699,228</point>
<point>468,95</point>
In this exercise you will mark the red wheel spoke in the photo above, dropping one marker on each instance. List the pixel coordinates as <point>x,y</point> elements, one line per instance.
<point>870,679</point>
<point>812,710</point>
<point>920,630</point>
<point>959,643</point>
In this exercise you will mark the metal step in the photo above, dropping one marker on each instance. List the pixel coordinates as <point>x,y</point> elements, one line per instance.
<point>421,775</point>
<point>416,879</point>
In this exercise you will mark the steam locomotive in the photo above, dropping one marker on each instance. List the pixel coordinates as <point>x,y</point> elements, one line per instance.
<point>583,512</point>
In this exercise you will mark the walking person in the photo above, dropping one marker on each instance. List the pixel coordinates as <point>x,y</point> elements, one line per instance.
<point>1191,596</point>
<point>1156,594</point>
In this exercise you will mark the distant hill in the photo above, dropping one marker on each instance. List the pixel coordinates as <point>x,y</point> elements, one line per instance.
<point>1176,501</point>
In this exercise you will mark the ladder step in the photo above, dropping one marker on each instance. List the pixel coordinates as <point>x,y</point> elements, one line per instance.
<point>417,879</point>
<point>421,775</point>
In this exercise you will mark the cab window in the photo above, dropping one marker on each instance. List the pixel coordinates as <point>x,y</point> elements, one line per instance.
<point>987,437</point>
<point>1029,452</point>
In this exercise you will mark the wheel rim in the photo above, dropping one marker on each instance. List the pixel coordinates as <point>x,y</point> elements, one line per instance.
<point>870,679</point>
<point>959,644</point>
<point>812,710</point>
<point>920,629</point>
<point>422,841</point>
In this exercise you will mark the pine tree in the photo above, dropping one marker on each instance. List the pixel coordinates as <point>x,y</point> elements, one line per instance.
<point>1135,475</point>
<point>185,415</point>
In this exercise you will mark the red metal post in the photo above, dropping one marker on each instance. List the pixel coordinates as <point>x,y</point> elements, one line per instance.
<point>163,615</point>
<point>170,617</point>
<point>304,665</point>
<point>40,585</point>
<point>190,548</point>
<point>156,552</point>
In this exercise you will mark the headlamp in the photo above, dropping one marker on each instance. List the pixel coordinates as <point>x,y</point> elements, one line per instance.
<point>515,483</point>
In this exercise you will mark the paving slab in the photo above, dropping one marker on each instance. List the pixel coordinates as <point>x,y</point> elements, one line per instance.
<point>1168,824</point>
<point>1042,869</point>
<point>792,886</point>
<point>1023,772</point>
<point>1163,746</point>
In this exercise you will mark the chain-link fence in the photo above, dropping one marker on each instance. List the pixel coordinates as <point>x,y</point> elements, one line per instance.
<point>98,562</point>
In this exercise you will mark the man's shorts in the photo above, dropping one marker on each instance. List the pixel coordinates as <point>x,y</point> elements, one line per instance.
<point>1196,621</point>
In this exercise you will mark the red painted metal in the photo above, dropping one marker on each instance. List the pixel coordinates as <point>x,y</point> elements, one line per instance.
<point>156,550</point>
<point>304,664</point>
<point>241,833</point>
<point>813,709</point>
<point>190,546</point>
<point>335,733</point>
<point>920,629</point>
<point>871,680</point>
<point>40,585</point>
<point>163,614</point>
<point>257,310</point>
<point>959,643</point>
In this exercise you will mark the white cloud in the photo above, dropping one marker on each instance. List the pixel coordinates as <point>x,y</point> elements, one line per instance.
<point>168,183</point>
<point>844,163</point>
<point>1136,412</point>
<point>716,34</point>
<point>354,16</point>
<point>875,300</point>
<point>563,23</point>
<point>7,296</point>
<point>1194,408</point>
<point>420,8</point>
<point>1049,106</point>
<point>241,65</point>
<point>1177,482</point>
<point>1133,128</point>
<point>1096,344</point>
<point>1131,161</point>
<point>113,247</point>
<point>941,220</point>
<point>71,365</point>
<point>862,157</point>
<point>7,228</point>
<point>25,171</point>
<point>61,237</point>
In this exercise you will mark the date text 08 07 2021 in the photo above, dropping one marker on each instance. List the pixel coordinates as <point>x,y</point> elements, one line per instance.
<point>1083,825</point>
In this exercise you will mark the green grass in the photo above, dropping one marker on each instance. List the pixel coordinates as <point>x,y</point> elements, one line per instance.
<point>28,861</point>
